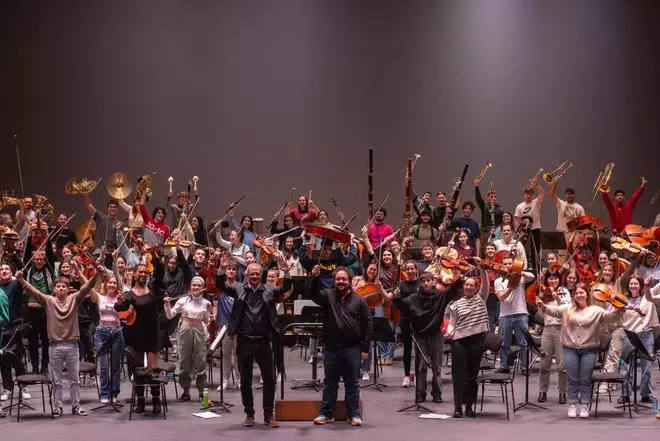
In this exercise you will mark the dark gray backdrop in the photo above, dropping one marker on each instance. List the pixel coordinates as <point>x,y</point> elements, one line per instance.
<point>258,96</point>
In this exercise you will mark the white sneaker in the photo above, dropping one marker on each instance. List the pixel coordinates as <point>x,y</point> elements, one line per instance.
<point>4,396</point>
<point>572,411</point>
<point>104,400</point>
<point>223,386</point>
<point>584,411</point>
<point>26,394</point>
<point>365,376</point>
<point>406,382</point>
<point>603,389</point>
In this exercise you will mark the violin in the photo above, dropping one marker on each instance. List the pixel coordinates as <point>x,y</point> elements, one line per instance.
<point>370,292</point>
<point>267,251</point>
<point>602,292</point>
<point>128,317</point>
<point>38,232</point>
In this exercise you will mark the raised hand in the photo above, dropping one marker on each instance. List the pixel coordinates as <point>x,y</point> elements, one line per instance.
<point>316,271</point>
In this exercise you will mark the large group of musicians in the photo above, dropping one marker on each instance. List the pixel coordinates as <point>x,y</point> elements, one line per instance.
<point>137,273</point>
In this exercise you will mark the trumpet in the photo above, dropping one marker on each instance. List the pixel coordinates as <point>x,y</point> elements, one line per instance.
<point>602,181</point>
<point>483,171</point>
<point>557,173</point>
<point>530,183</point>
<point>143,186</point>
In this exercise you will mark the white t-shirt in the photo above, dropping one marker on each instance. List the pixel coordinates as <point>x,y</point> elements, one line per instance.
<point>533,210</point>
<point>515,304</point>
<point>520,249</point>
<point>567,212</point>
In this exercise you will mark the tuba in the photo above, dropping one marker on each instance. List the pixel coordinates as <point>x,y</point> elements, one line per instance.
<point>557,173</point>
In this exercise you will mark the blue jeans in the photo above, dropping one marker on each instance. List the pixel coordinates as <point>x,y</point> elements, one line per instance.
<point>341,363</point>
<point>579,365</point>
<point>516,323</point>
<point>101,336</point>
<point>644,365</point>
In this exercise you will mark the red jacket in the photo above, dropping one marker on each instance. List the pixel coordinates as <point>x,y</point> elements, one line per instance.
<point>620,216</point>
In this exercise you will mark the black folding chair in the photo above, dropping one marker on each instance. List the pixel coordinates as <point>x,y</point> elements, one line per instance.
<point>503,380</point>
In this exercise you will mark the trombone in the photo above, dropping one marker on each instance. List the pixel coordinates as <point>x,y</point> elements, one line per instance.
<point>602,182</point>
<point>557,173</point>
<point>530,183</point>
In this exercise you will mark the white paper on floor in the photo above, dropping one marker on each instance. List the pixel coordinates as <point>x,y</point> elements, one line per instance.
<point>434,416</point>
<point>206,415</point>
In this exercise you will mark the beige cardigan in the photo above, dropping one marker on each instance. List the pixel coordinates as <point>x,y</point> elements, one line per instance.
<point>580,329</point>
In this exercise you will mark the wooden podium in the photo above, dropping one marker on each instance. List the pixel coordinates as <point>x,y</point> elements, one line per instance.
<point>307,410</point>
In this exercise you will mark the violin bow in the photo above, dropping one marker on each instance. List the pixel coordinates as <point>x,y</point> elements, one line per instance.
<point>217,223</point>
<point>378,209</point>
<point>48,239</point>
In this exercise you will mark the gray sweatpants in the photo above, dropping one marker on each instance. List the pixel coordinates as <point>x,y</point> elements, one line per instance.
<point>65,353</point>
<point>192,356</point>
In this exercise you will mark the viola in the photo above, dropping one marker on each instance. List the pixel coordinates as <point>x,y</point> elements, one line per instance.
<point>370,292</point>
<point>640,235</point>
<point>602,292</point>
<point>547,293</point>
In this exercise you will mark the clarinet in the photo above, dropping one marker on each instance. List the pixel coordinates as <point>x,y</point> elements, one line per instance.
<point>456,190</point>
<point>491,210</point>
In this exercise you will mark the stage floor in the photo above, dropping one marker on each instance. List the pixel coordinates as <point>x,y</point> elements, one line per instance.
<point>382,421</point>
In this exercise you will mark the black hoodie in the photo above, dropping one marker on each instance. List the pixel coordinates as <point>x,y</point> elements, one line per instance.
<point>426,309</point>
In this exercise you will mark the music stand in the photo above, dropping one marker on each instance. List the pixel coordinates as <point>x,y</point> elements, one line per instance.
<point>106,349</point>
<point>641,352</point>
<point>218,406</point>
<point>311,314</point>
<point>531,346</point>
<point>553,240</point>
<point>418,407</point>
<point>382,331</point>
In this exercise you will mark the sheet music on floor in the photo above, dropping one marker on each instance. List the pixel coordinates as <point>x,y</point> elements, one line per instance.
<point>206,415</point>
<point>434,416</point>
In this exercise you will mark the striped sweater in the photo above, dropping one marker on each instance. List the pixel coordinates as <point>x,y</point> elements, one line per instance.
<point>468,315</point>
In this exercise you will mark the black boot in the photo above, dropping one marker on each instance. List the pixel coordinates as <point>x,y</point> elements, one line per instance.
<point>458,412</point>
<point>543,397</point>
<point>139,406</point>
<point>562,398</point>
<point>155,402</point>
<point>469,412</point>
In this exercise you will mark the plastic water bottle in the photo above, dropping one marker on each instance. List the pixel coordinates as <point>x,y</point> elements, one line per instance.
<point>205,397</point>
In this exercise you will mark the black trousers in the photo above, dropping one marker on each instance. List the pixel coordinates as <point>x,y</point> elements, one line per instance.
<point>37,336</point>
<point>406,335</point>
<point>87,342</point>
<point>8,362</point>
<point>247,351</point>
<point>466,356</point>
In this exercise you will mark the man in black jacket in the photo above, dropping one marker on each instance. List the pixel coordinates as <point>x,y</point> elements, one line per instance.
<point>254,322</point>
<point>346,335</point>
